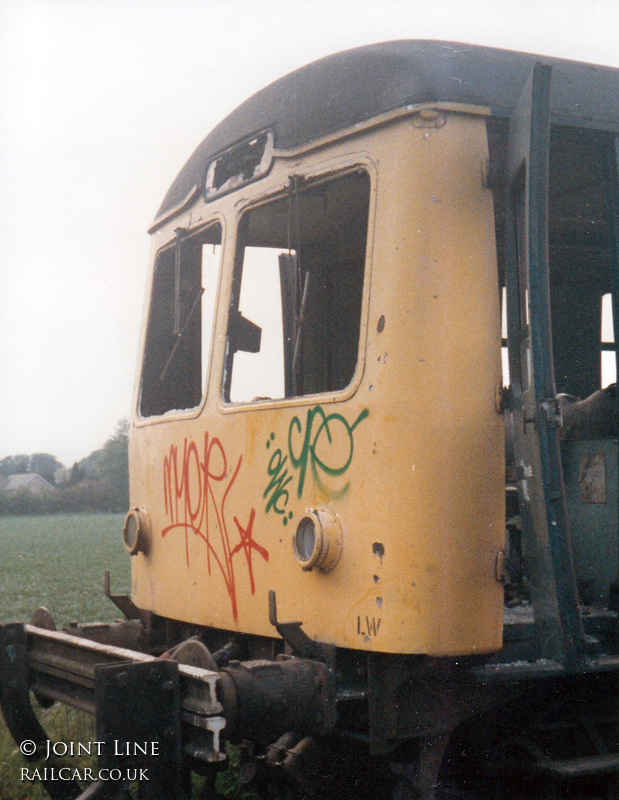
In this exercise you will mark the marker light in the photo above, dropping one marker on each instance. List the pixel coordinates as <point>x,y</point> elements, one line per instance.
<point>317,541</point>
<point>136,531</point>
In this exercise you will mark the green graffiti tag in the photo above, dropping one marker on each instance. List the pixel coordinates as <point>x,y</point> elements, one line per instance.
<point>279,480</point>
<point>324,442</point>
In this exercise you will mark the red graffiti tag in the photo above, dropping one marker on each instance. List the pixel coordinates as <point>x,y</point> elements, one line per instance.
<point>195,487</point>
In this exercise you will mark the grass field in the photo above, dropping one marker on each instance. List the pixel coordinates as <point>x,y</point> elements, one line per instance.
<point>58,562</point>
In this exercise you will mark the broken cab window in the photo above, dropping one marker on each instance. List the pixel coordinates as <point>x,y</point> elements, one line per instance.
<point>241,164</point>
<point>180,323</point>
<point>296,304</point>
<point>609,361</point>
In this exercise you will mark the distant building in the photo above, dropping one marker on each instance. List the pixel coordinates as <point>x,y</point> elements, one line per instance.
<point>30,482</point>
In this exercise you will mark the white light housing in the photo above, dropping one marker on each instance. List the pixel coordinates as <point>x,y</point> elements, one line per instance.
<point>136,531</point>
<point>317,541</point>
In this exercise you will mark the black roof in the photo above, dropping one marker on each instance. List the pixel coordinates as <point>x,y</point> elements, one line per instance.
<point>349,87</point>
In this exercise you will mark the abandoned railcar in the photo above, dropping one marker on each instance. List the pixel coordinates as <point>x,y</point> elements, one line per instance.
<point>373,450</point>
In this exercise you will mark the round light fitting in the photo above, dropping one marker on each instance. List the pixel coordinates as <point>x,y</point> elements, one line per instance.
<point>317,541</point>
<point>136,531</point>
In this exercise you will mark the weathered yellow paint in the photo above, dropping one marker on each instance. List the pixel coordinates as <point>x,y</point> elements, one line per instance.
<point>422,503</point>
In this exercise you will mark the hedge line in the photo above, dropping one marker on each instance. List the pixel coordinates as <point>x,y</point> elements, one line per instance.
<point>86,496</point>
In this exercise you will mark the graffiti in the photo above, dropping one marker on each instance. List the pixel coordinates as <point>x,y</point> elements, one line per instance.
<point>196,486</point>
<point>324,443</point>
<point>279,479</point>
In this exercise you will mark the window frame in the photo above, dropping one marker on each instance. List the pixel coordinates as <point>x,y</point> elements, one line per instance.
<point>314,174</point>
<point>607,345</point>
<point>169,244</point>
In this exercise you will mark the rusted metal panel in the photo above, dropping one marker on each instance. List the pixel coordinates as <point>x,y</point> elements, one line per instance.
<point>62,667</point>
<point>592,478</point>
<point>591,472</point>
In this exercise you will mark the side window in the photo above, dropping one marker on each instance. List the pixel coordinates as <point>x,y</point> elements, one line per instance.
<point>504,353</point>
<point>296,305</point>
<point>180,323</point>
<point>609,363</point>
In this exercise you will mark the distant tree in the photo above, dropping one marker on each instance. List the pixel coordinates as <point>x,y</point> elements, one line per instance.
<point>77,474</point>
<point>25,502</point>
<point>14,465</point>
<point>62,476</point>
<point>87,496</point>
<point>44,465</point>
<point>89,466</point>
<point>113,466</point>
<point>99,482</point>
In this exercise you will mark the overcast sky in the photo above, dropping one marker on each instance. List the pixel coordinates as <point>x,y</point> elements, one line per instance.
<point>102,102</point>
